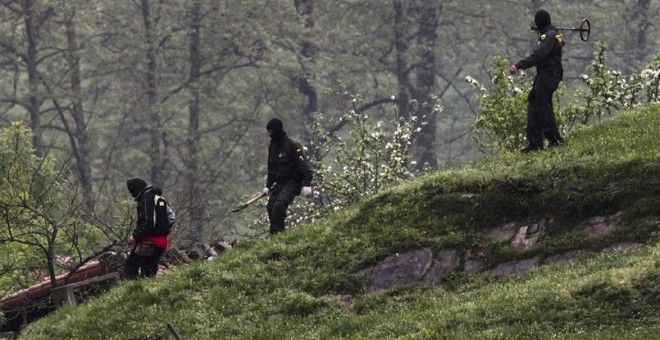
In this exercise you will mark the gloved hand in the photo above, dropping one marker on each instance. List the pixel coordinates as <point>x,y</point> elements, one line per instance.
<point>266,191</point>
<point>306,191</point>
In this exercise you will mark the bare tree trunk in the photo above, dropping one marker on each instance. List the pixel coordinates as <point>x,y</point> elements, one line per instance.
<point>401,45</point>
<point>425,80</point>
<point>34,102</point>
<point>157,147</point>
<point>639,43</point>
<point>305,81</point>
<point>79,137</point>
<point>194,198</point>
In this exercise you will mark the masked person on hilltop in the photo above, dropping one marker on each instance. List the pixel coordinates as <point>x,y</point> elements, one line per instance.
<point>289,174</point>
<point>148,241</point>
<point>546,57</point>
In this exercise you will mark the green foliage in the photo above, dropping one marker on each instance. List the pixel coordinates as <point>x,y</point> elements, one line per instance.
<point>41,234</point>
<point>306,283</point>
<point>501,123</point>
<point>25,178</point>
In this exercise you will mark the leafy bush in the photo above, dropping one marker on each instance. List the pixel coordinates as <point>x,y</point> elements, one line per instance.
<point>501,124</point>
<point>42,233</point>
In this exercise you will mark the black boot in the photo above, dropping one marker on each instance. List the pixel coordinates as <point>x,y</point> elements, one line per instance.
<point>534,140</point>
<point>554,142</point>
<point>553,137</point>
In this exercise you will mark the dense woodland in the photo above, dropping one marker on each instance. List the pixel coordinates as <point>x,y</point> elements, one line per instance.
<point>179,92</point>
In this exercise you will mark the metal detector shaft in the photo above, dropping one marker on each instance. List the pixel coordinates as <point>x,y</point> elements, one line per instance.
<point>252,200</point>
<point>584,29</point>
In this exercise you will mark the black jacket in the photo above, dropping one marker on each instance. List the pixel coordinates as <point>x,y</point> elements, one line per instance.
<point>547,53</point>
<point>286,162</point>
<point>146,219</point>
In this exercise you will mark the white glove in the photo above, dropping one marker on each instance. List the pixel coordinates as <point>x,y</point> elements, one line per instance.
<point>306,191</point>
<point>266,191</point>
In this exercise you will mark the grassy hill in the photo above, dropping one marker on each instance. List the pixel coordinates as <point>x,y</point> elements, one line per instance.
<point>306,283</point>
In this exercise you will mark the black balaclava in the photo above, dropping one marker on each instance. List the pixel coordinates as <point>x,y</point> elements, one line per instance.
<point>276,126</point>
<point>542,19</point>
<point>135,186</point>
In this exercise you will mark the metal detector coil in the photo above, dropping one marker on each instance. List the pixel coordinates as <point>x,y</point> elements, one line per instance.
<point>584,29</point>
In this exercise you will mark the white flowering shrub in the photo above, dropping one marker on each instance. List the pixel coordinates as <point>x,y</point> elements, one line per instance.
<point>649,79</point>
<point>368,156</point>
<point>604,92</point>
<point>608,91</point>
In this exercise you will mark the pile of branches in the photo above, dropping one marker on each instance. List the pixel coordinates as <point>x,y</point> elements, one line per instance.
<point>199,252</point>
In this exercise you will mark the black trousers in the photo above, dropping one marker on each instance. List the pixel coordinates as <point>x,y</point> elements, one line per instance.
<point>541,122</point>
<point>279,200</point>
<point>142,266</point>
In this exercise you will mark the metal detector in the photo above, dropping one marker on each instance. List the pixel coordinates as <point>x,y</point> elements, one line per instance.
<point>584,29</point>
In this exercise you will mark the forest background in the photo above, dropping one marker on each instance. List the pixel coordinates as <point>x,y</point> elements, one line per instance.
<point>179,92</point>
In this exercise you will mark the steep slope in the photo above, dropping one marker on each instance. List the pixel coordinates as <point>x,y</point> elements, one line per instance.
<point>584,201</point>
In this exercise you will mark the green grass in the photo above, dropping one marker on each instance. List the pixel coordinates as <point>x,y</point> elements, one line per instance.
<point>304,284</point>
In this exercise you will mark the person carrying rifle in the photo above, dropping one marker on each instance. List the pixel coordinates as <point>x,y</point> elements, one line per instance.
<point>289,174</point>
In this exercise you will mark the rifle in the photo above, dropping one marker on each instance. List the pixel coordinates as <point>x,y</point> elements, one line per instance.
<point>252,200</point>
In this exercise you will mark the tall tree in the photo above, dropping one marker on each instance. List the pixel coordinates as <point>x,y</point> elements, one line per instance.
<point>196,207</point>
<point>306,57</point>
<point>78,134</point>
<point>424,86</point>
<point>157,150</point>
<point>639,19</point>
<point>26,54</point>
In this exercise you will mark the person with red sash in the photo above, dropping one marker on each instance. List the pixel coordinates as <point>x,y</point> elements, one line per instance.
<point>149,243</point>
